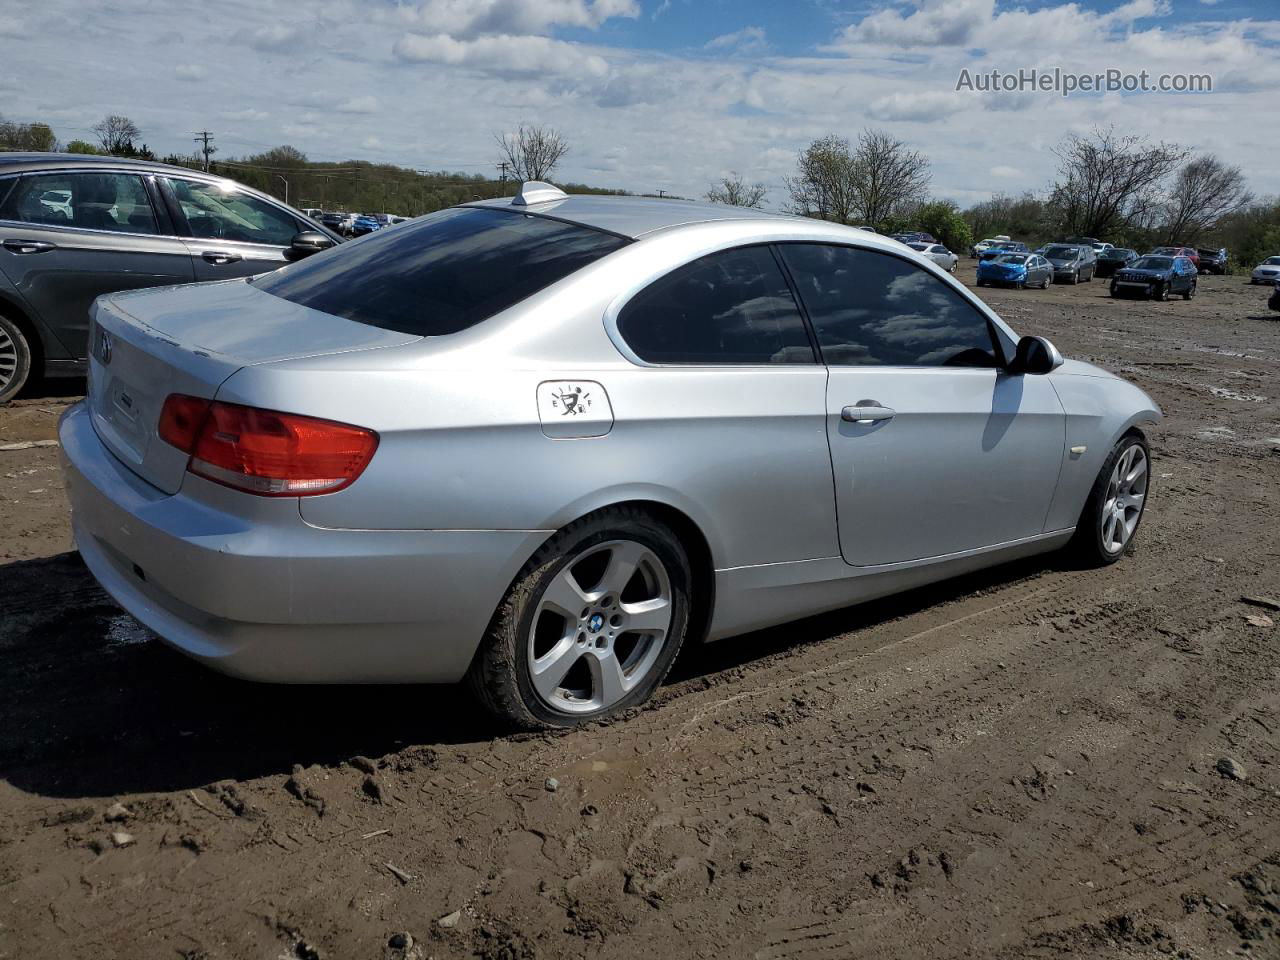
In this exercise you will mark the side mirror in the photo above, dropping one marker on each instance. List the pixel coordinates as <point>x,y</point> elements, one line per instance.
<point>306,243</point>
<point>1035,355</point>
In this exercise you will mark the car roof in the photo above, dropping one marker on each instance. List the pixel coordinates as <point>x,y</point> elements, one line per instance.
<point>26,162</point>
<point>631,217</point>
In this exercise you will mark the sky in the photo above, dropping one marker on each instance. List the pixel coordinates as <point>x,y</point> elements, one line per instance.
<point>651,94</point>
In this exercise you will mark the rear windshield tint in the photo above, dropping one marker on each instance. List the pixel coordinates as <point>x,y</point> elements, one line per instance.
<point>441,273</point>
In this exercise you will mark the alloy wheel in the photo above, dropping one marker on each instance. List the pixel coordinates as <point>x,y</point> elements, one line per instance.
<point>600,627</point>
<point>1125,498</point>
<point>8,359</point>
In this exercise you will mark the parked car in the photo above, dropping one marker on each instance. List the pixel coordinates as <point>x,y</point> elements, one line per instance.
<point>1156,277</point>
<point>322,491</point>
<point>1113,259</point>
<point>1214,261</point>
<point>938,254</point>
<point>315,213</point>
<point>1015,269</point>
<point>339,222</point>
<point>1072,263</point>
<point>1188,252</point>
<point>1268,271</point>
<point>913,237</point>
<point>1004,246</point>
<point>1099,248</point>
<point>363,224</point>
<point>983,245</point>
<point>118,224</point>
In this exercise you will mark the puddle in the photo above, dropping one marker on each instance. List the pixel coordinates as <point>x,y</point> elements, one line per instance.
<point>1227,394</point>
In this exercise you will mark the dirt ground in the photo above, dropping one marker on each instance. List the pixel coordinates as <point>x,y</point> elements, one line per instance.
<point>1023,763</point>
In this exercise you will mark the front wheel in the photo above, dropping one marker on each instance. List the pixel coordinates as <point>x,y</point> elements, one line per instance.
<point>1116,503</point>
<point>15,359</point>
<point>591,625</point>
<point>1190,291</point>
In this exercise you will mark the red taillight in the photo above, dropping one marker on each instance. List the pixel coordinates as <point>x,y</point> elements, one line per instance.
<point>181,419</point>
<point>265,452</point>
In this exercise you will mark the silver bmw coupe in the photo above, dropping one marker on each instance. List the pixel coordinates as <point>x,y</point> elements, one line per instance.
<point>539,443</point>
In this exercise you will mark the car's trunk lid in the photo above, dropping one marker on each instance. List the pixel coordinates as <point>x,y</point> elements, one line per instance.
<point>190,339</point>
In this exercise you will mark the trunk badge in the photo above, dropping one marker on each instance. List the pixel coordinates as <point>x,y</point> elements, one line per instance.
<point>103,347</point>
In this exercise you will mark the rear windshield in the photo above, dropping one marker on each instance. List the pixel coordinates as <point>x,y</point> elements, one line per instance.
<point>441,273</point>
<point>1062,253</point>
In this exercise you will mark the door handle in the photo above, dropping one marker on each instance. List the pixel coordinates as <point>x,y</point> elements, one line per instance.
<point>28,246</point>
<point>866,411</point>
<point>220,257</point>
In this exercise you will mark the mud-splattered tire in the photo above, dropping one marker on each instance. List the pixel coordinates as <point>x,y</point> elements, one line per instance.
<point>1111,506</point>
<point>15,359</point>
<point>559,650</point>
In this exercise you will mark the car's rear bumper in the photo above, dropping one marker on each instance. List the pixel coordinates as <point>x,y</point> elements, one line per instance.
<point>259,593</point>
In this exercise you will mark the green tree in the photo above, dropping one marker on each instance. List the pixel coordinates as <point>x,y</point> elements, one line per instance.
<point>943,219</point>
<point>81,146</point>
<point>36,137</point>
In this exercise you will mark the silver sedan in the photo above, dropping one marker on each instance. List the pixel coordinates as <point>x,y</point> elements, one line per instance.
<point>541,443</point>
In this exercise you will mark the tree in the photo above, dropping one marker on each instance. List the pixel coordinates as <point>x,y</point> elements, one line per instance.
<point>532,152</point>
<point>823,184</point>
<point>116,134</point>
<point>1204,191</point>
<point>1025,217</point>
<point>1110,180</point>
<point>282,156</point>
<point>943,219</point>
<point>737,193</point>
<point>36,137</point>
<point>886,177</point>
<point>81,146</point>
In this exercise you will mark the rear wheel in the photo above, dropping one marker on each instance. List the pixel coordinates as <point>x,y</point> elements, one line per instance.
<point>1116,503</point>
<point>15,359</point>
<point>591,625</point>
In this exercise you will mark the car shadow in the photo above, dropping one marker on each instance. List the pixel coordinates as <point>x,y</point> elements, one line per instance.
<point>44,388</point>
<point>96,707</point>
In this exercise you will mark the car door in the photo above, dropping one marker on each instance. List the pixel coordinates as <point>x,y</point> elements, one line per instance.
<point>233,233</point>
<point>67,237</point>
<point>935,448</point>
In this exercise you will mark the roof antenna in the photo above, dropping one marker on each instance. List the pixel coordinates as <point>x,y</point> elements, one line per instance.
<point>536,191</point>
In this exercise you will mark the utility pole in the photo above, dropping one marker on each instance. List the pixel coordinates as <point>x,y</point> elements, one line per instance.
<point>662,193</point>
<point>281,178</point>
<point>203,138</point>
<point>502,178</point>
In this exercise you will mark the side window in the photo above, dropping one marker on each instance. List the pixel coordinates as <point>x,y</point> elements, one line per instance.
<point>872,308</point>
<point>95,201</point>
<point>729,307</point>
<point>222,212</point>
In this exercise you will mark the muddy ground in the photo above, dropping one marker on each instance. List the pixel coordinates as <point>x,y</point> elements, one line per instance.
<point>1023,763</point>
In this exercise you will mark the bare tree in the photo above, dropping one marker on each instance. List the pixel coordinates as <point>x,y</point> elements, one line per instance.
<point>1204,191</point>
<point>734,191</point>
<point>887,178</point>
<point>823,184</point>
<point>1108,180</point>
<point>26,136</point>
<point>532,152</point>
<point>116,133</point>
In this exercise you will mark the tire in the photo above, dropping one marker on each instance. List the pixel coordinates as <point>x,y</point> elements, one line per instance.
<point>580,646</point>
<point>954,264</point>
<point>1161,293</point>
<point>1092,546</point>
<point>1020,285</point>
<point>15,359</point>
<point>1190,291</point>
<point>982,283</point>
<point>1075,278</point>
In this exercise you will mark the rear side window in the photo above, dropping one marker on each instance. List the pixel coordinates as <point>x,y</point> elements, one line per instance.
<point>443,273</point>
<point>871,308</point>
<point>93,201</point>
<point>729,307</point>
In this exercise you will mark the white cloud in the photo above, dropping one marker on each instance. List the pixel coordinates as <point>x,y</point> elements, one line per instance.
<point>358,105</point>
<point>914,107</point>
<point>275,36</point>
<point>1007,173</point>
<point>12,27</point>
<point>746,40</point>
<point>189,71</point>
<point>472,18</point>
<point>503,54</point>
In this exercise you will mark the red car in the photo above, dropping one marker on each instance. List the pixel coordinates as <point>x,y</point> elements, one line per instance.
<point>1191,253</point>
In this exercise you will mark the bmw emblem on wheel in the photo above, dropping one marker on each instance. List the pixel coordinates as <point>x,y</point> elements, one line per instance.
<point>596,623</point>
